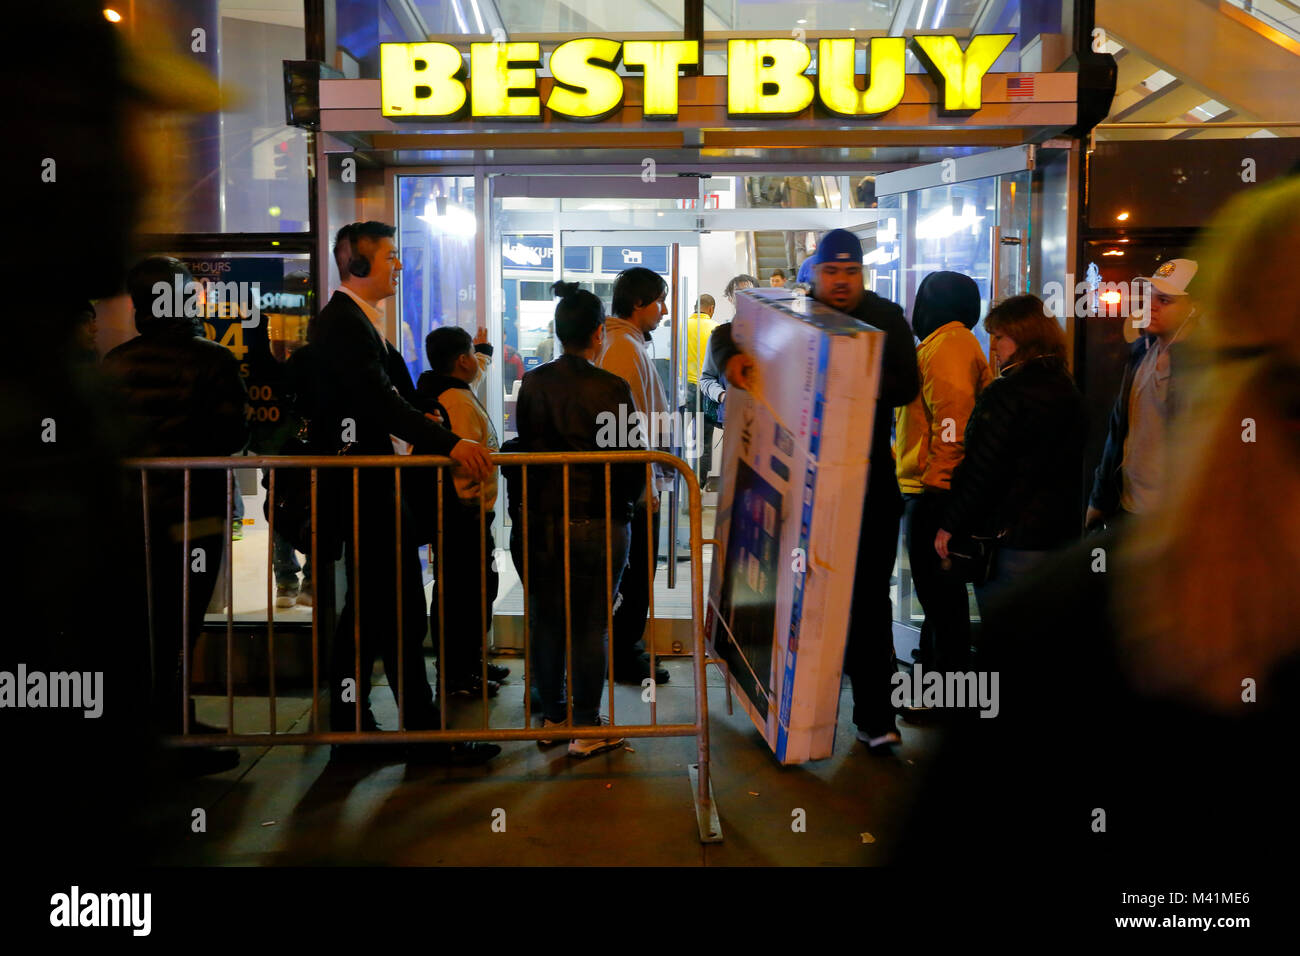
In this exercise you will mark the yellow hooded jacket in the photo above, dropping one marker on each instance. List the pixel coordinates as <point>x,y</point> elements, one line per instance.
<point>929,432</point>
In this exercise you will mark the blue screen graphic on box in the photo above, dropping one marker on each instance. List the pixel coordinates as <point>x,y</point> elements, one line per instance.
<point>748,601</point>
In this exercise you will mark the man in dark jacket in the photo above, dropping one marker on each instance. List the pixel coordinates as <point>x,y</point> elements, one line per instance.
<point>358,408</point>
<point>183,398</point>
<point>571,405</point>
<point>1129,479</point>
<point>869,658</point>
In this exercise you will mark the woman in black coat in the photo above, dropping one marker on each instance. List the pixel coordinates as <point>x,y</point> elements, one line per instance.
<point>1021,475</point>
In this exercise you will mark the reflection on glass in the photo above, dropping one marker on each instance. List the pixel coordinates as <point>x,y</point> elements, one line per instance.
<point>438,233</point>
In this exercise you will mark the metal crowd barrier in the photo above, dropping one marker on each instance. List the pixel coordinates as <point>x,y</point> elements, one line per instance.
<point>706,813</point>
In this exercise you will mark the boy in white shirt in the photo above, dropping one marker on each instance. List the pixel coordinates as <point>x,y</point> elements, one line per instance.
<point>447,389</point>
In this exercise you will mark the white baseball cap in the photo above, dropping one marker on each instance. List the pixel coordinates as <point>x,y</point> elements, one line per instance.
<point>1173,276</point>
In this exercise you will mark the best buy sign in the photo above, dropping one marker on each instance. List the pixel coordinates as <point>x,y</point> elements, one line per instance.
<point>765,78</point>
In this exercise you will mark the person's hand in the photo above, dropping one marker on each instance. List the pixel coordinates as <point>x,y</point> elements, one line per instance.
<point>654,504</point>
<point>474,458</point>
<point>435,417</point>
<point>722,396</point>
<point>941,543</point>
<point>1093,518</point>
<point>742,371</point>
<point>480,337</point>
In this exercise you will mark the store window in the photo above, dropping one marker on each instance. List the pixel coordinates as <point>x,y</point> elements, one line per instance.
<point>240,168</point>
<point>438,233</point>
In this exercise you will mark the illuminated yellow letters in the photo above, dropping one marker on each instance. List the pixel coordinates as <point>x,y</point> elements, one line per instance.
<point>421,79</point>
<point>498,69</point>
<point>660,61</point>
<point>959,74</point>
<point>586,86</point>
<point>765,78</point>
<point>837,82</point>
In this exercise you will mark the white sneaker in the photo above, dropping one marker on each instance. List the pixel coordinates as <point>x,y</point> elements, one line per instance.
<point>551,723</point>
<point>883,744</point>
<point>589,748</point>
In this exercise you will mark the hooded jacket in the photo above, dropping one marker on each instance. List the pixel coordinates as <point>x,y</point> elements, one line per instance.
<point>929,430</point>
<point>467,418</point>
<point>627,355</point>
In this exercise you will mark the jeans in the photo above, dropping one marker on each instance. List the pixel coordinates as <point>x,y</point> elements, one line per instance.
<point>630,618</point>
<point>462,582</point>
<point>587,613</point>
<point>284,560</point>
<point>706,432</point>
<point>869,657</point>
<point>1010,566</point>
<point>945,635</point>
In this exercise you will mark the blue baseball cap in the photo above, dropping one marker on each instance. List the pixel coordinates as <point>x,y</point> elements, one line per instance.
<point>839,245</point>
<point>805,270</point>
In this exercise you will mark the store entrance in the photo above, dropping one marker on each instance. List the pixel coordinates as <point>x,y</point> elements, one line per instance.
<point>482,250</point>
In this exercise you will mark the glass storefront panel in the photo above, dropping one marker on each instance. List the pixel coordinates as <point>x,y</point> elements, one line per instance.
<point>238,169</point>
<point>438,231</point>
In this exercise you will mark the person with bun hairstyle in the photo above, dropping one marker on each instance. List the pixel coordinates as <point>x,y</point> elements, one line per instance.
<point>562,407</point>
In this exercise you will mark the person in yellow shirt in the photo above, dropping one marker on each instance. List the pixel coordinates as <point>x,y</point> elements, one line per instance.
<point>928,447</point>
<point>699,327</point>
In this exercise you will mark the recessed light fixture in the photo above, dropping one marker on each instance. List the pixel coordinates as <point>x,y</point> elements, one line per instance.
<point>1123,217</point>
<point>112,16</point>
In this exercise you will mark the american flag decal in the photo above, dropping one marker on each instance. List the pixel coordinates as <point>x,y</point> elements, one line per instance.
<point>1020,87</point>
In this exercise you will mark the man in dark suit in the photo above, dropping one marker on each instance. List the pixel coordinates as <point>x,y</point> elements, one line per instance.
<point>358,407</point>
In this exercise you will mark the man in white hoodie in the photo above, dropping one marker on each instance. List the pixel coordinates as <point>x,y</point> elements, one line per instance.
<point>639,303</point>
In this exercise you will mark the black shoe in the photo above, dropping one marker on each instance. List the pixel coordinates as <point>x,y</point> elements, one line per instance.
<point>472,687</point>
<point>498,672</point>
<point>201,761</point>
<point>918,715</point>
<point>636,671</point>
<point>451,755</point>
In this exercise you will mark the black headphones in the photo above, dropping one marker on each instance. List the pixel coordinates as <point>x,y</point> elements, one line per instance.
<point>358,264</point>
